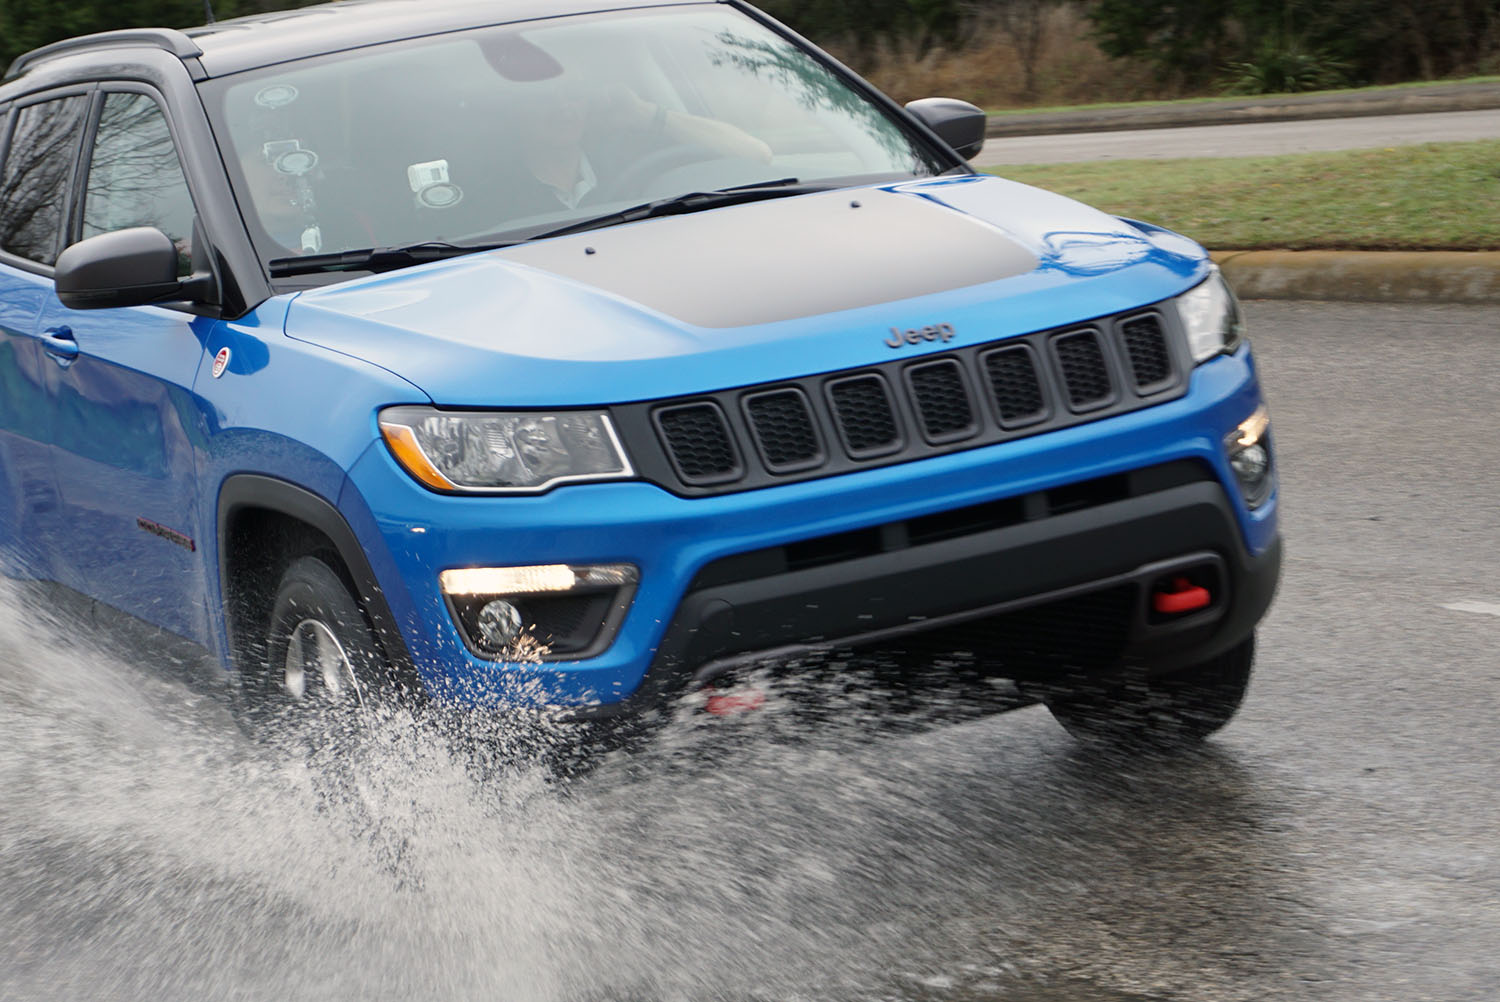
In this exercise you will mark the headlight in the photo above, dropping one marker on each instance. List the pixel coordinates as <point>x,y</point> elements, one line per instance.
<point>490,452</point>
<point>1211,316</point>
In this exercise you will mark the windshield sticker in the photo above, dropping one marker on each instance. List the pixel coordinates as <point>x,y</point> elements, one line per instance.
<point>429,182</point>
<point>421,175</point>
<point>440,196</point>
<point>276,96</point>
<point>288,157</point>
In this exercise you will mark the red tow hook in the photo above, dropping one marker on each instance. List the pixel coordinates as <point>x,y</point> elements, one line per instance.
<point>1184,597</point>
<point>729,704</point>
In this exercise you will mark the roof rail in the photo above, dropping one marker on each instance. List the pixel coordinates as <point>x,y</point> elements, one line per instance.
<point>167,39</point>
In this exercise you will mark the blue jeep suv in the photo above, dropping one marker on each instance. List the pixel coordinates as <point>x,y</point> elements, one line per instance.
<point>554,355</point>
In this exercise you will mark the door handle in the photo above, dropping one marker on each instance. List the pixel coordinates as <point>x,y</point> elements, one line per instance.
<point>60,345</point>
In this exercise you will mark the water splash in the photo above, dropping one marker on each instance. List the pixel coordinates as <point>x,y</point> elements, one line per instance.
<point>149,848</point>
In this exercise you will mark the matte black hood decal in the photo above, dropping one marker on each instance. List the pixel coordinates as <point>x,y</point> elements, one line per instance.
<point>796,257</point>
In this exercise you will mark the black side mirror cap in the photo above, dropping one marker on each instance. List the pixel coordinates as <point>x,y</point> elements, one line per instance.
<point>957,123</point>
<point>132,267</point>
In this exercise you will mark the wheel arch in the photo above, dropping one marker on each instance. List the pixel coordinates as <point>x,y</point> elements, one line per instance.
<point>263,522</point>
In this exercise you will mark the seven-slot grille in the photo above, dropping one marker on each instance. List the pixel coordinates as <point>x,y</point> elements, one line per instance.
<point>906,408</point>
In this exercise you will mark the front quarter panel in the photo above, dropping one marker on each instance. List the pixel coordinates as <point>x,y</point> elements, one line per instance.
<point>284,409</point>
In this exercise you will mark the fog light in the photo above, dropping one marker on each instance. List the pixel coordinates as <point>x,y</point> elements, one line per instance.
<point>500,624</point>
<point>1249,451</point>
<point>546,612</point>
<point>1251,465</point>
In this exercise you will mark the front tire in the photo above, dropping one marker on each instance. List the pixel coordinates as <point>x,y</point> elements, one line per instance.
<point>319,648</point>
<point>1176,710</point>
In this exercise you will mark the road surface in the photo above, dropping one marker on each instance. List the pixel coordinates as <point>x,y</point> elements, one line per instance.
<point>1336,842</point>
<point>1256,139</point>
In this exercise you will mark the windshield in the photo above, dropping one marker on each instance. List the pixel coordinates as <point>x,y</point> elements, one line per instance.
<point>506,132</point>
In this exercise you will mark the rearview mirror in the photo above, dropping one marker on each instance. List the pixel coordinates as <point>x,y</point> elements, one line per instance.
<point>957,123</point>
<point>132,267</point>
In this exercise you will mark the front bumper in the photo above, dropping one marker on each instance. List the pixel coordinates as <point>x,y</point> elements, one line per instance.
<point>1084,576</point>
<point>849,559</point>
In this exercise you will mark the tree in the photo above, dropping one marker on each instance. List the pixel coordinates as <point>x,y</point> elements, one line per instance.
<point>863,21</point>
<point>1183,39</point>
<point>1024,23</point>
<point>1193,41</point>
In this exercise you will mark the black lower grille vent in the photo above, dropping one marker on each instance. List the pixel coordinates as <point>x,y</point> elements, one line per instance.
<point>1089,494</point>
<point>966,521</point>
<point>952,524</point>
<point>825,550</point>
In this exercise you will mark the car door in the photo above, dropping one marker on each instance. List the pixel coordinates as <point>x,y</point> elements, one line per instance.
<point>40,140</point>
<point>124,425</point>
<point>28,499</point>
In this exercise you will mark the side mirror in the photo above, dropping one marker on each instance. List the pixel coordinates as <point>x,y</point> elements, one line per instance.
<point>125,268</point>
<point>957,123</point>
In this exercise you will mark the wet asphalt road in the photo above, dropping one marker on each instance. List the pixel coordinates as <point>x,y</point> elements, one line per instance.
<point>1336,842</point>
<point>1244,140</point>
<point>1377,698</point>
<point>1341,839</point>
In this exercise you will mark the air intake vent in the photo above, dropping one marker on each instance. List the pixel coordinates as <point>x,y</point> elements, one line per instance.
<point>942,399</point>
<point>783,430</point>
<point>1085,373</point>
<point>1146,345</point>
<point>698,441</point>
<point>1015,386</point>
<point>865,417</point>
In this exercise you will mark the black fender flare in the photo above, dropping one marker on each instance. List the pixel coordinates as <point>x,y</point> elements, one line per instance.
<point>253,490</point>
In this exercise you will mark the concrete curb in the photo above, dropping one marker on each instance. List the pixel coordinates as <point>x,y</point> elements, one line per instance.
<point>1365,276</point>
<point>1266,108</point>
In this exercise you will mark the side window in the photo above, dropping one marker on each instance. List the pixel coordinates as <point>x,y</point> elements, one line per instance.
<point>34,180</point>
<point>135,177</point>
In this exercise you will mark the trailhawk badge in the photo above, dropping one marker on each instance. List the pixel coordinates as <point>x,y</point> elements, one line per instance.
<point>221,362</point>
<point>932,332</point>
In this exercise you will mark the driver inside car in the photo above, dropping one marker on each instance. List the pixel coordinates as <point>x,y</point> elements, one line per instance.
<point>577,148</point>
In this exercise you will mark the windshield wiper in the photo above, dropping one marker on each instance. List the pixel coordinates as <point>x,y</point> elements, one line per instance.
<point>693,201</point>
<point>375,258</point>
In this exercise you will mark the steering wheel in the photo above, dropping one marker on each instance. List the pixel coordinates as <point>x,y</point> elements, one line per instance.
<point>633,181</point>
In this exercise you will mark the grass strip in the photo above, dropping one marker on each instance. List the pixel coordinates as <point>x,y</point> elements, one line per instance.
<point>1437,196</point>
<point>1021,112</point>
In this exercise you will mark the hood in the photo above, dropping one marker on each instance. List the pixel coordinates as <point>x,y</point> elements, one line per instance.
<point>747,293</point>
